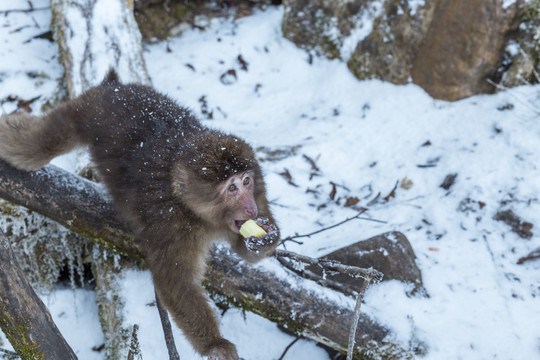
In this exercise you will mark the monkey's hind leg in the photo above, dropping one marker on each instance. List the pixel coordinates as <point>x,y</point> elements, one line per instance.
<point>30,142</point>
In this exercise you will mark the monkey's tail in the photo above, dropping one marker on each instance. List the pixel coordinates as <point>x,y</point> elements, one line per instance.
<point>30,142</point>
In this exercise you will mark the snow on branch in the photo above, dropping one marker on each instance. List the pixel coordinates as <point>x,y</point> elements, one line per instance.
<point>332,266</point>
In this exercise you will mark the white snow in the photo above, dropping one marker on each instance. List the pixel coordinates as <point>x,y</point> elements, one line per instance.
<point>508,3</point>
<point>415,4</point>
<point>364,137</point>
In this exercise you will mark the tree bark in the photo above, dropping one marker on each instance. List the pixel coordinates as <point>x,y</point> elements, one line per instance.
<point>94,36</point>
<point>24,319</point>
<point>294,303</point>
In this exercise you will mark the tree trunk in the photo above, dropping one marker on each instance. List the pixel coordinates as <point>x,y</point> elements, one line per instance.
<point>23,317</point>
<point>94,36</point>
<point>303,307</point>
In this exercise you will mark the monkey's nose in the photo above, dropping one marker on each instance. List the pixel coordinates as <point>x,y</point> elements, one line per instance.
<point>251,211</point>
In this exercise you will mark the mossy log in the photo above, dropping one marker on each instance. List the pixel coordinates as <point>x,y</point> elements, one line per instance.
<point>24,318</point>
<point>299,306</point>
<point>67,203</point>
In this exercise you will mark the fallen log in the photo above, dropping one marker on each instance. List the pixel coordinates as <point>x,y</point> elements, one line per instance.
<point>294,303</point>
<point>24,318</point>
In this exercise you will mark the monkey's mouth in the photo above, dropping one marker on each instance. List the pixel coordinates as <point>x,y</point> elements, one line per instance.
<point>239,223</point>
<point>262,222</point>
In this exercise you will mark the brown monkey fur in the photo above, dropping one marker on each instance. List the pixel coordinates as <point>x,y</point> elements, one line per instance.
<point>178,184</point>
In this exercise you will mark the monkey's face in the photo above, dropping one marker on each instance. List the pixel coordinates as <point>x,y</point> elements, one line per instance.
<point>237,196</point>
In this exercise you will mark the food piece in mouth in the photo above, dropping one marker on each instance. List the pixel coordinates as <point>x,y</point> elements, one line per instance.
<point>251,228</point>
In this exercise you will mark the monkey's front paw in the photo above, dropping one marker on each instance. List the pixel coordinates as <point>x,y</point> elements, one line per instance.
<point>225,350</point>
<point>257,244</point>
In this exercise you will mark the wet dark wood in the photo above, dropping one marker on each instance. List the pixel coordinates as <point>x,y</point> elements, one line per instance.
<point>24,319</point>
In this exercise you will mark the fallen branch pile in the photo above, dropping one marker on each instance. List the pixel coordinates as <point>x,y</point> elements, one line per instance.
<point>82,206</point>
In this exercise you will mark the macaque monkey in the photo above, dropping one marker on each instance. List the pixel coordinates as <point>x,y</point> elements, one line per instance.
<point>179,185</point>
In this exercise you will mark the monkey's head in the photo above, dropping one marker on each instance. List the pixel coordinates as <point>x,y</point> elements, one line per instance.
<point>219,179</point>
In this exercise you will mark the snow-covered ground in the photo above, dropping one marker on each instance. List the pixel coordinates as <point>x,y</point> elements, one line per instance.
<point>364,136</point>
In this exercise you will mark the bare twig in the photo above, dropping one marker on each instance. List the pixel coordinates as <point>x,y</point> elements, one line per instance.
<point>532,255</point>
<point>393,192</point>
<point>25,10</point>
<point>331,266</point>
<point>357,216</point>
<point>306,274</point>
<point>134,348</point>
<point>167,330</point>
<point>315,171</point>
<point>352,333</point>
<point>288,347</point>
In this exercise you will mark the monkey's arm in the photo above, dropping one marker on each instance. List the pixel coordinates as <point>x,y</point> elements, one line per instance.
<point>176,266</point>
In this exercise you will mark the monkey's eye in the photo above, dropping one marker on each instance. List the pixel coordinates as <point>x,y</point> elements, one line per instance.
<point>232,188</point>
<point>247,180</point>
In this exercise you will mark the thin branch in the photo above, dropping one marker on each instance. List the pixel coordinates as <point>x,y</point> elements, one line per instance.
<point>288,347</point>
<point>25,10</point>
<point>532,256</point>
<point>167,330</point>
<point>354,326</point>
<point>356,217</point>
<point>347,290</point>
<point>134,347</point>
<point>332,266</point>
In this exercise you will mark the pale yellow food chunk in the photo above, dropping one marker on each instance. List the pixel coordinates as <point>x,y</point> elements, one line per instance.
<point>251,228</point>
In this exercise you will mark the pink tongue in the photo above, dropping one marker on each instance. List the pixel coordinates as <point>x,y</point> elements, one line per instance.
<point>239,223</point>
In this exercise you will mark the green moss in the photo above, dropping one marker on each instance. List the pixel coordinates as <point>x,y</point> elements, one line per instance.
<point>11,210</point>
<point>107,238</point>
<point>15,332</point>
<point>532,11</point>
<point>526,64</point>
<point>314,29</point>
<point>155,22</point>
<point>358,65</point>
<point>110,304</point>
<point>250,304</point>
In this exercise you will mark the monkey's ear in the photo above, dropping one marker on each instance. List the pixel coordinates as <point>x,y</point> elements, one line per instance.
<point>181,179</point>
<point>111,78</point>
